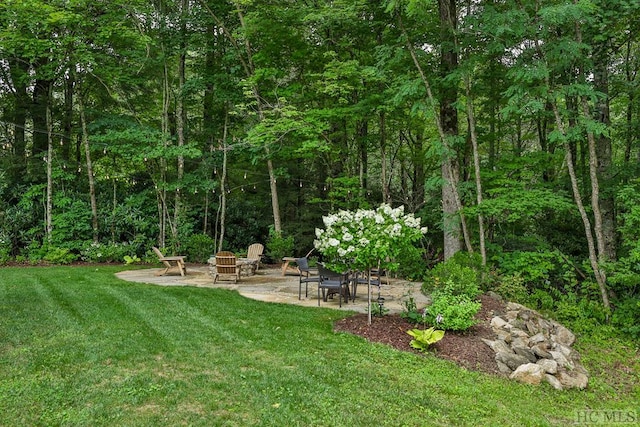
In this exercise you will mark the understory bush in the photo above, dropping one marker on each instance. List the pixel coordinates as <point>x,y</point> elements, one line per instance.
<point>198,248</point>
<point>452,278</point>
<point>452,312</point>
<point>107,252</point>
<point>279,245</point>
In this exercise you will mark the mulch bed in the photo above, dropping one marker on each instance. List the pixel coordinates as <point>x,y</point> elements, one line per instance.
<point>466,349</point>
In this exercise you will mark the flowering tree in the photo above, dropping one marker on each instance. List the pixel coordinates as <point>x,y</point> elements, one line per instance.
<point>367,239</point>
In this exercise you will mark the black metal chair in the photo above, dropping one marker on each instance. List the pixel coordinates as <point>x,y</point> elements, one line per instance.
<point>307,275</point>
<point>332,283</point>
<point>360,278</point>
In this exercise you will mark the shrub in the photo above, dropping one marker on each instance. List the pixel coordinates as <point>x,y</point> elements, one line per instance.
<point>452,312</point>
<point>512,287</point>
<point>198,248</point>
<point>106,252</point>
<point>454,279</point>
<point>627,317</point>
<point>57,255</point>
<point>279,246</point>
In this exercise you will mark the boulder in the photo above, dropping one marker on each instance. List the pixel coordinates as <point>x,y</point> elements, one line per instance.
<point>563,335</point>
<point>555,383</point>
<point>550,366</point>
<point>573,379</point>
<point>498,322</point>
<point>526,352</point>
<point>498,346</point>
<point>529,373</point>
<point>512,360</point>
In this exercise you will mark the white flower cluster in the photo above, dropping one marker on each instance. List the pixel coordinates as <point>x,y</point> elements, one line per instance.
<point>362,236</point>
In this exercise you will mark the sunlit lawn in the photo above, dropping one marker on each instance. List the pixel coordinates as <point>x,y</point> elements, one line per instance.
<point>80,347</point>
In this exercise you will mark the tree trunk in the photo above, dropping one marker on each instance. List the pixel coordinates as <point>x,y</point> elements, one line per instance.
<point>49,163</point>
<point>476,167</point>
<point>19,75</point>
<point>453,219</point>
<point>593,257</point>
<point>603,152</point>
<point>180,114</point>
<point>92,185</point>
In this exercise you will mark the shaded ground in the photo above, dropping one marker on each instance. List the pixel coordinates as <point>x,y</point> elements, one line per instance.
<point>466,349</point>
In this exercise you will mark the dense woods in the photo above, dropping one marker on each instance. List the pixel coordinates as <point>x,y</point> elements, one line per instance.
<point>510,127</point>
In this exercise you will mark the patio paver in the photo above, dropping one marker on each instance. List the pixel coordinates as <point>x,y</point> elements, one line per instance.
<point>269,285</point>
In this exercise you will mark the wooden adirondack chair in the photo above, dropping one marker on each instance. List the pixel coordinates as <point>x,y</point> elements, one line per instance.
<point>171,263</point>
<point>226,267</point>
<point>255,253</point>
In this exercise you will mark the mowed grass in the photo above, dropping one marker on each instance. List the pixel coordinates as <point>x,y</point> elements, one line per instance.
<point>80,347</point>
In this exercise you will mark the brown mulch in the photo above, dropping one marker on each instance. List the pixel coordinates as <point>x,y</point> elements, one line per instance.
<point>466,349</point>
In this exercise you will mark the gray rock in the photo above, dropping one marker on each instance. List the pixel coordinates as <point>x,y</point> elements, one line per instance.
<point>555,383</point>
<point>573,380</point>
<point>503,368</point>
<point>550,366</point>
<point>526,352</point>
<point>512,360</point>
<point>540,350</point>
<point>514,306</point>
<point>520,342</point>
<point>498,322</point>
<point>504,335</point>
<point>495,296</point>
<point>518,333</point>
<point>498,346</point>
<point>562,361</point>
<point>536,339</point>
<point>564,336</point>
<point>531,327</point>
<point>529,373</point>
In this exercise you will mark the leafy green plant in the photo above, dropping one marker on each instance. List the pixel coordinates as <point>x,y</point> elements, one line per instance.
<point>57,255</point>
<point>279,245</point>
<point>378,310</point>
<point>410,310</point>
<point>197,247</point>
<point>423,338</point>
<point>128,259</point>
<point>452,278</point>
<point>454,312</point>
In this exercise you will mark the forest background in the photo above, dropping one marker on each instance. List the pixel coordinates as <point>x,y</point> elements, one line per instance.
<point>511,128</point>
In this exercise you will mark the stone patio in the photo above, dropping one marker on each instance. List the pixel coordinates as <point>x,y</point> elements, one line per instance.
<point>269,285</point>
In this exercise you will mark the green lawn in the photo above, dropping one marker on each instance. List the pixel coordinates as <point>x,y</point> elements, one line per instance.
<point>80,347</point>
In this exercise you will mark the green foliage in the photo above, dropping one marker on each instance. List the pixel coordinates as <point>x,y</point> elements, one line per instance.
<point>279,245</point>
<point>423,338</point>
<point>512,287</point>
<point>107,252</point>
<point>452,278</point>
<point>626,316</point>
<point>452,312</point>
<point>539,269</point>
<point>410,310</point>
<point>55,255</point>
<point>197,248</point>
<point>128,259</point>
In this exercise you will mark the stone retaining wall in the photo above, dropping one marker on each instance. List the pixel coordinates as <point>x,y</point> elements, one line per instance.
<point>532,349</point>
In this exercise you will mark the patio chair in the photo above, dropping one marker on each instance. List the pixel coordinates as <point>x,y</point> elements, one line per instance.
<point>307,275</point>
<point>360,278</point>
<point>226,267</point>
<point>255,253</point>
<point>332,283</point>
<point>171,263</point>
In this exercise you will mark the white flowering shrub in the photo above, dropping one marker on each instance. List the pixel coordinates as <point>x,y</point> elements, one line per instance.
<point>364,238</point>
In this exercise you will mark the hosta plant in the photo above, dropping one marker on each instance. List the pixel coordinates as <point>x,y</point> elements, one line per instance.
<point>423,338</point>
